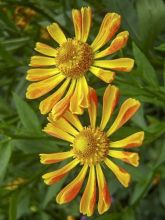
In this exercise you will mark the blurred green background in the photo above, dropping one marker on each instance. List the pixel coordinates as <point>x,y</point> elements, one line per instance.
<point>23,195</point>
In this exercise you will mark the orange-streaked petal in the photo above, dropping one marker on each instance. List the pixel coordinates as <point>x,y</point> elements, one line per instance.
<point>122,175</point>
<point>92,109</point>
<point>118,43</point>
<point>56,33</point>
<point>86,13</point>
<point>45,49</point>
<point>55,157</point>
<point>85,93</point>
<point>72,189</point>
<point>76,99</point>
<point>38,61</point>
<point>64,125</point>
<point>134,140</point>
<point>104,201</point>
<point>128,157</point>
<point>38,89</point>
<point>127,110</point>
<point>74,120</point>
<point>62,106</point>
<point>77,21</point>
<point>109,27</point>
<point>55,176</point>
<point>121,64</point>
<point>88,200</point>
<point>38,74</point>
<point>105,75</point>
<point>58,133</point>
<point>47,104</point>
<point>110,100</point>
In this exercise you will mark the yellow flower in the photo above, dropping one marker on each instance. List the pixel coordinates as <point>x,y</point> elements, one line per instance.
<point>65,68</point>
<point>92,149</point>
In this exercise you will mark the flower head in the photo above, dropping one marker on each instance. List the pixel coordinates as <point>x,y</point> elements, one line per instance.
<point>65,68</point>
<point>91,148</point>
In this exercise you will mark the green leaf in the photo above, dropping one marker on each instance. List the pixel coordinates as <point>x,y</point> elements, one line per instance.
<point>5,154</point>
<point>128,214</point>
<point>144,66</point>
<point>161,47</point>
<point>27,115</point>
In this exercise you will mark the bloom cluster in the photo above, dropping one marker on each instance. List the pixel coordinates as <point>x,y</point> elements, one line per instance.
<point>63,71</point>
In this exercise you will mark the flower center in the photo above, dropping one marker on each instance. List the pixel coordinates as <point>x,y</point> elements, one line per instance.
<point>91,145</point>
<point>74,58</point>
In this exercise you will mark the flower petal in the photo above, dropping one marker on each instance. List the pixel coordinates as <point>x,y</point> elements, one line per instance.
<point>55,157</point>
<point>37,61</point>
<point>109,27</point>
<point>121,64</point>
<point>77,21</point>
<point>110,100</point>
<point>85,93</point>
<point>88,200</point>
<point>62,106</point>
<point>45,49</point>
<point>122,175</point>
<point>104,195</point>
<point>47,104</point>
<point>76,99</point>
<point>64,125</point>
<point>55,176</point>
<point>86,14</point>
<point>72,189</point>
<point>38,74</point>
<point>134,140</point>
<point>92,109</point>
<point>128,157</point>
<point>105,75</point>
<point>73,119</point>
<point>58,133</point>
<point>127,110</point>
<point>38,89</point>
<point>56,33</point>
<point>118,43</point>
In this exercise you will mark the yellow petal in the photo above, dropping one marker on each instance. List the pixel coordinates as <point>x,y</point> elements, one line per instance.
<point>56,33</point>
<point>134,140</point>
<point>45,49</point>
<point>118,43</point>
<point>55,157</point>
<point>37,61</point>
<point>64,125</point>
<point>38,74</point>
<point>85,93</point>
<point>62,106</point>
<point>110,100</point>
<point>72,189</point>
<point>86,14</point>
<point>58,133</point>
<point>105,75</point>
<point>92,109</point>
<point>47,104</point>
<point>104,201</point>
<point>122,175</point>
<point>55,176</point>
<point>73,119</point>
<point>38,89</point>
<point>121,64</point>
<point>127,110</point>
<point>109,27</point>
<point>128,157</point>
<point>88,200</point>
<point>76,99</point>
<point>77,21</point>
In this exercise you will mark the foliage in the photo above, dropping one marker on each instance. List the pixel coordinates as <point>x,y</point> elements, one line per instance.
<point>23,194</point>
